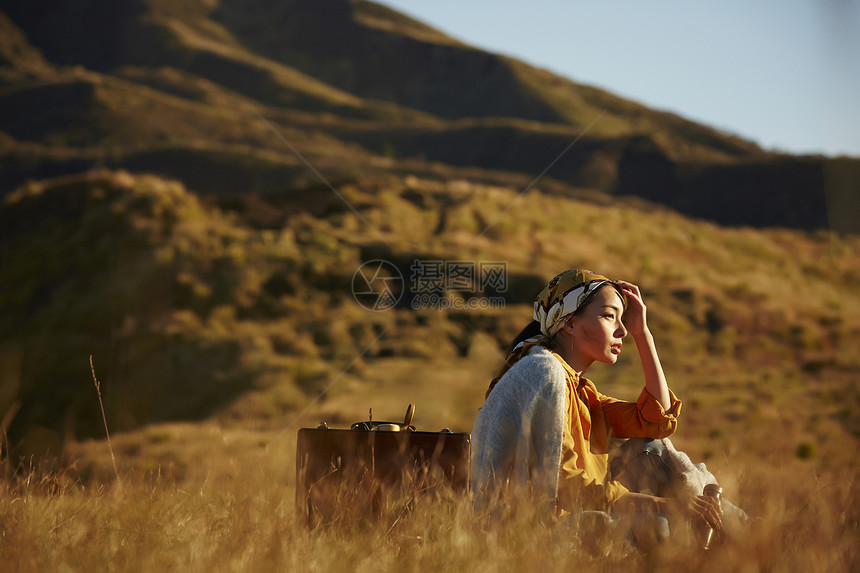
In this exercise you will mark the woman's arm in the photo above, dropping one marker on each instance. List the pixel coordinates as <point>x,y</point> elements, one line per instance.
<point>701,507</point>
<point>637,326</point>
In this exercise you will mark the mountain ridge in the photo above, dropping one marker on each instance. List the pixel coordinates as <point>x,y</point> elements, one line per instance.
<point>355,85</point>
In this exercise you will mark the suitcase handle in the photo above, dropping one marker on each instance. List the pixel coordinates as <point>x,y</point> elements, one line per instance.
<point>371,424</point>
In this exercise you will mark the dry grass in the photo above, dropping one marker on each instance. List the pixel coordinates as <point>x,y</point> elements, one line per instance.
<point>240,516</point>
<point>220,495</point>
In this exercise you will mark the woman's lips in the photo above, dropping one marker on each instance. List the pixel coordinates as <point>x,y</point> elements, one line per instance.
<point>616,349</point>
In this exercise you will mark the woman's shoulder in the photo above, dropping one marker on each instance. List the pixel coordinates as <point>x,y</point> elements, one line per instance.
<point>538,365</point>
<point>542,354</point>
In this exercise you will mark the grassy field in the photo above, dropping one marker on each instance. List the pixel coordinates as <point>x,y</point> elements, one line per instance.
<point>221,498</point>
<point>219,495</point>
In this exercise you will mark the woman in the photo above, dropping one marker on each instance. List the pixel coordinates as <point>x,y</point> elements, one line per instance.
<point>545,426</point>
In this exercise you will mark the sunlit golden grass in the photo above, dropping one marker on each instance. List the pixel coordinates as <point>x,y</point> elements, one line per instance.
<point>220,495</point>
<point>240,514</point>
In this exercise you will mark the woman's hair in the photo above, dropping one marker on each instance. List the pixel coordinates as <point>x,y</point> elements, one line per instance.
<point>531,330</point>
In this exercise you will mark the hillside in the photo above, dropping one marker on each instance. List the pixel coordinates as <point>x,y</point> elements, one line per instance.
<point>204,92</point>
<point>249,324</point>
<point>215,340</point>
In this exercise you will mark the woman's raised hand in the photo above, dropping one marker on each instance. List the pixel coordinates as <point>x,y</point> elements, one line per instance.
<point>634,317</point>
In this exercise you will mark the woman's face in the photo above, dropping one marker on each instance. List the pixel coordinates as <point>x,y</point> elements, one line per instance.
<point>597,330</point>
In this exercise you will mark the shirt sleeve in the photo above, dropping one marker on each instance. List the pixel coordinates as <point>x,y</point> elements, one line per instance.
<point>644,418</point>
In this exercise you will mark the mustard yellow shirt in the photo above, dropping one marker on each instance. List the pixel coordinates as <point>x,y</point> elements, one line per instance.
<point>590,420</point>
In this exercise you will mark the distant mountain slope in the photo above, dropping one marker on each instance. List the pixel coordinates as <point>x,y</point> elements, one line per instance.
<point>358,47</point>
<point>372,51</point>
<point>178,87</point>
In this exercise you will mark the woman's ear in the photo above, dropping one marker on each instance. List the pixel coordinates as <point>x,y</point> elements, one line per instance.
<point>568,325</point>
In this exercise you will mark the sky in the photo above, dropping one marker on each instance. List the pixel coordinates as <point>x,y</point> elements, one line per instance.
<point>783,73</point>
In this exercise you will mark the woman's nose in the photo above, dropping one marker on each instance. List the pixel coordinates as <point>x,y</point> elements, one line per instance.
<point>622,331</point>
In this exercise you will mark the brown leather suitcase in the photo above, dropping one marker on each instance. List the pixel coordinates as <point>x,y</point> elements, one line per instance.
<point>355,473</point>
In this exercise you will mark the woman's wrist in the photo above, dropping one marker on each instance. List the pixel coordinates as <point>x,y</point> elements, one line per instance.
<point>642,335</point>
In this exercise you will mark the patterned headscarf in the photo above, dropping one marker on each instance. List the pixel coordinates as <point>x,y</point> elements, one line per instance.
<point>563,296</point>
